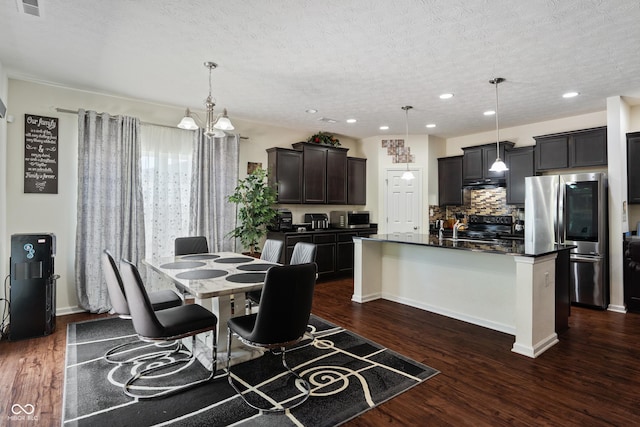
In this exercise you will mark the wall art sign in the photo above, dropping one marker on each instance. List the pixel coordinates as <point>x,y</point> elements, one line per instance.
<point>40,154</point>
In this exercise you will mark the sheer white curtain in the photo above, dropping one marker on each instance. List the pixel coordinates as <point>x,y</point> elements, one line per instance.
<point>165,167</point>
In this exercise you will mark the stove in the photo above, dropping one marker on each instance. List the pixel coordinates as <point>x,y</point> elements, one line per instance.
<point>485,227</point>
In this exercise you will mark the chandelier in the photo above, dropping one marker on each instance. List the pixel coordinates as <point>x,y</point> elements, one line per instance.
<point>215,125</point>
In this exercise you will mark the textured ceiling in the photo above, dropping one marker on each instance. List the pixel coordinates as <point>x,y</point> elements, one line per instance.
<point>346,58</point>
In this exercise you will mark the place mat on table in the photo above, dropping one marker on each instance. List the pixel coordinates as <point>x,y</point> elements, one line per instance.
<point>179,265</point>
<point>201,256</point>
<point>255,267</point>
<point>234,260</point>
<point>204,273</point>
<point>246,278</point>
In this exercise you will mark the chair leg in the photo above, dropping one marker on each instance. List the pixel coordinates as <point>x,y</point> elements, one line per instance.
<point>129,384</point>
<point>305,383</point>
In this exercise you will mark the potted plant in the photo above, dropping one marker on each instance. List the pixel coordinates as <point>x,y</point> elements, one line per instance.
<point>255,199</point>
<point>324,138</point>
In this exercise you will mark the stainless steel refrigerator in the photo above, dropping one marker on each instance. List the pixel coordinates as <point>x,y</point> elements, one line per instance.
<point>572,209</point>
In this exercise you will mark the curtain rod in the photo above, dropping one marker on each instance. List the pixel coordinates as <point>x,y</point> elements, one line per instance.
<point>65,110</point>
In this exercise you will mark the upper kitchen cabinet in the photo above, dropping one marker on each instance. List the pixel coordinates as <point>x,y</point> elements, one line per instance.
<point>520,162</point>
<point>356,181</point>
<point>450,181</point>
<point>285,174</point>
<point>575,149</point>
<point>478,159</point>
<point>324,173</point>
<point>633,171</point>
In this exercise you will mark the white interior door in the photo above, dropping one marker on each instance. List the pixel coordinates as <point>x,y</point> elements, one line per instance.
<point>403,202</point>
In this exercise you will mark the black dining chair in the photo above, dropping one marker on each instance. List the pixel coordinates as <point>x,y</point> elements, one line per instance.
<point>271,252</point>
<point>165,325</point>
<point>280,323</point>
<point>159,300</point>
<point>190,245</point>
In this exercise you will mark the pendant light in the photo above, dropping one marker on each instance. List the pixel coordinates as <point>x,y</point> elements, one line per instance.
<point>214,125</point>
<point>498,165</point>
<point>407,175</point>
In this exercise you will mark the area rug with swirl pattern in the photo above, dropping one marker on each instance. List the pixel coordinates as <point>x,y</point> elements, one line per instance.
<point>348,375</point>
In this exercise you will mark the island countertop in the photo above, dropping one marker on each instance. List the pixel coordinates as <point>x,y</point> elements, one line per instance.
<point>503,247</point>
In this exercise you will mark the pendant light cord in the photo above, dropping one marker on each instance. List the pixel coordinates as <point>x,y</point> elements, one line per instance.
<point>496,82</point>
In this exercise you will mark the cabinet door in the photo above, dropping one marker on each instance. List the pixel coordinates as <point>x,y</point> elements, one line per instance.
<point>325,253</point>
<point>356,181</point>
<point>336,177</point>
<point>520,162</point>
<point>633,171</point>
<point>315,174</point>
<point>552,153</point>
<point>285,174</point>
<point>489,154</point>
<point>472,169</point>
<point>588,148</point>
<point>344,252</point>
<point>450,181</point>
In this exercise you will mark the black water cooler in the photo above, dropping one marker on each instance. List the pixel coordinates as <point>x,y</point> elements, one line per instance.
<point>33,285</point>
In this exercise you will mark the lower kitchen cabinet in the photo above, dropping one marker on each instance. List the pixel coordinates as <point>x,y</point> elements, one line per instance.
<point>334,254</point>
<point>631,277</point>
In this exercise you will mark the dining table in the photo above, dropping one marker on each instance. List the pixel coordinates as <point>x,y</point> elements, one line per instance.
<point>219,282</point>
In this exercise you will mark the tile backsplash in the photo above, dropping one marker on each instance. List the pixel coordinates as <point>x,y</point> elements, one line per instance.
<point>485,201</point>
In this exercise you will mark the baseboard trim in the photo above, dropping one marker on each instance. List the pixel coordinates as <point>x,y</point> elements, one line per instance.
<point>69,310</point>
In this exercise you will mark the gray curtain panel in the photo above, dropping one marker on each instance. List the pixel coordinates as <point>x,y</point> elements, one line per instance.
<point>215,176</point>
<point>110,204</point>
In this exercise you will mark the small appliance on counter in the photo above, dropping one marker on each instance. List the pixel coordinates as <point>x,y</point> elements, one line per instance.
<point>283,221</point>
<point>318,221</point>
<point>350,219</point>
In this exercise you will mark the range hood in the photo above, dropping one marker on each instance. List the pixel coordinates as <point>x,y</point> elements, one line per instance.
<point>485,183</point>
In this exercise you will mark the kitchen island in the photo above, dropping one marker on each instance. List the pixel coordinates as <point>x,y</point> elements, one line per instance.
<point>508,286</point>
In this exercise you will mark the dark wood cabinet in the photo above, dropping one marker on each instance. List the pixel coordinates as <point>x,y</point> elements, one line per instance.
<point>588,148</point>
<point>334,251</point>
<point>356,181</point>
<point>324,173</point>
<point>633,169</point>
<point>285,174</point>
<point>551,153</point>
<point>450,181</point>
<point>336,177</point>
<point>477,160</point>
<point>574,149</point>
<point>631,276</point>
<point>521,165</point>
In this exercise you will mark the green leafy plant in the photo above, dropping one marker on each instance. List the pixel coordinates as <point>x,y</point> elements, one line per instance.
<point>255,200</point>
<point>324,138</point>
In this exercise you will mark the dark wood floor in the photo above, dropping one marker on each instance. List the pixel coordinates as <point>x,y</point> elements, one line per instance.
<point>591,378</point>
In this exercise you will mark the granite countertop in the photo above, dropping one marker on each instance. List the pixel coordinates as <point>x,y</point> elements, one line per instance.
<point>501,247</point>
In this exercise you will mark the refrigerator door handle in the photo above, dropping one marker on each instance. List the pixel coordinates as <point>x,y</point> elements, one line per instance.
<point>582,258</point>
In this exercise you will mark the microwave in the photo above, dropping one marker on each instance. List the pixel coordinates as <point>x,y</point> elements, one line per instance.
<point>349,219</point>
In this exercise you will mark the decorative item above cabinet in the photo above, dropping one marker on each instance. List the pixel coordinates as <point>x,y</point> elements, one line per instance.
<point>581,148</point>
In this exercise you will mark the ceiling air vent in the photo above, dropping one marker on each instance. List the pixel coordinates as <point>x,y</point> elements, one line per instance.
<point>29,7</point>
<point>327,120</point>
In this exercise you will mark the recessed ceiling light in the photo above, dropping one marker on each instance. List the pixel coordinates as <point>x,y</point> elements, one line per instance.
<point>489,113</point>
<point>311,111</point>
<point>384,127</point>
<point>351,120</point>
<point>431,125</point>
<point>446,96</point>
<point>570,95</point>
